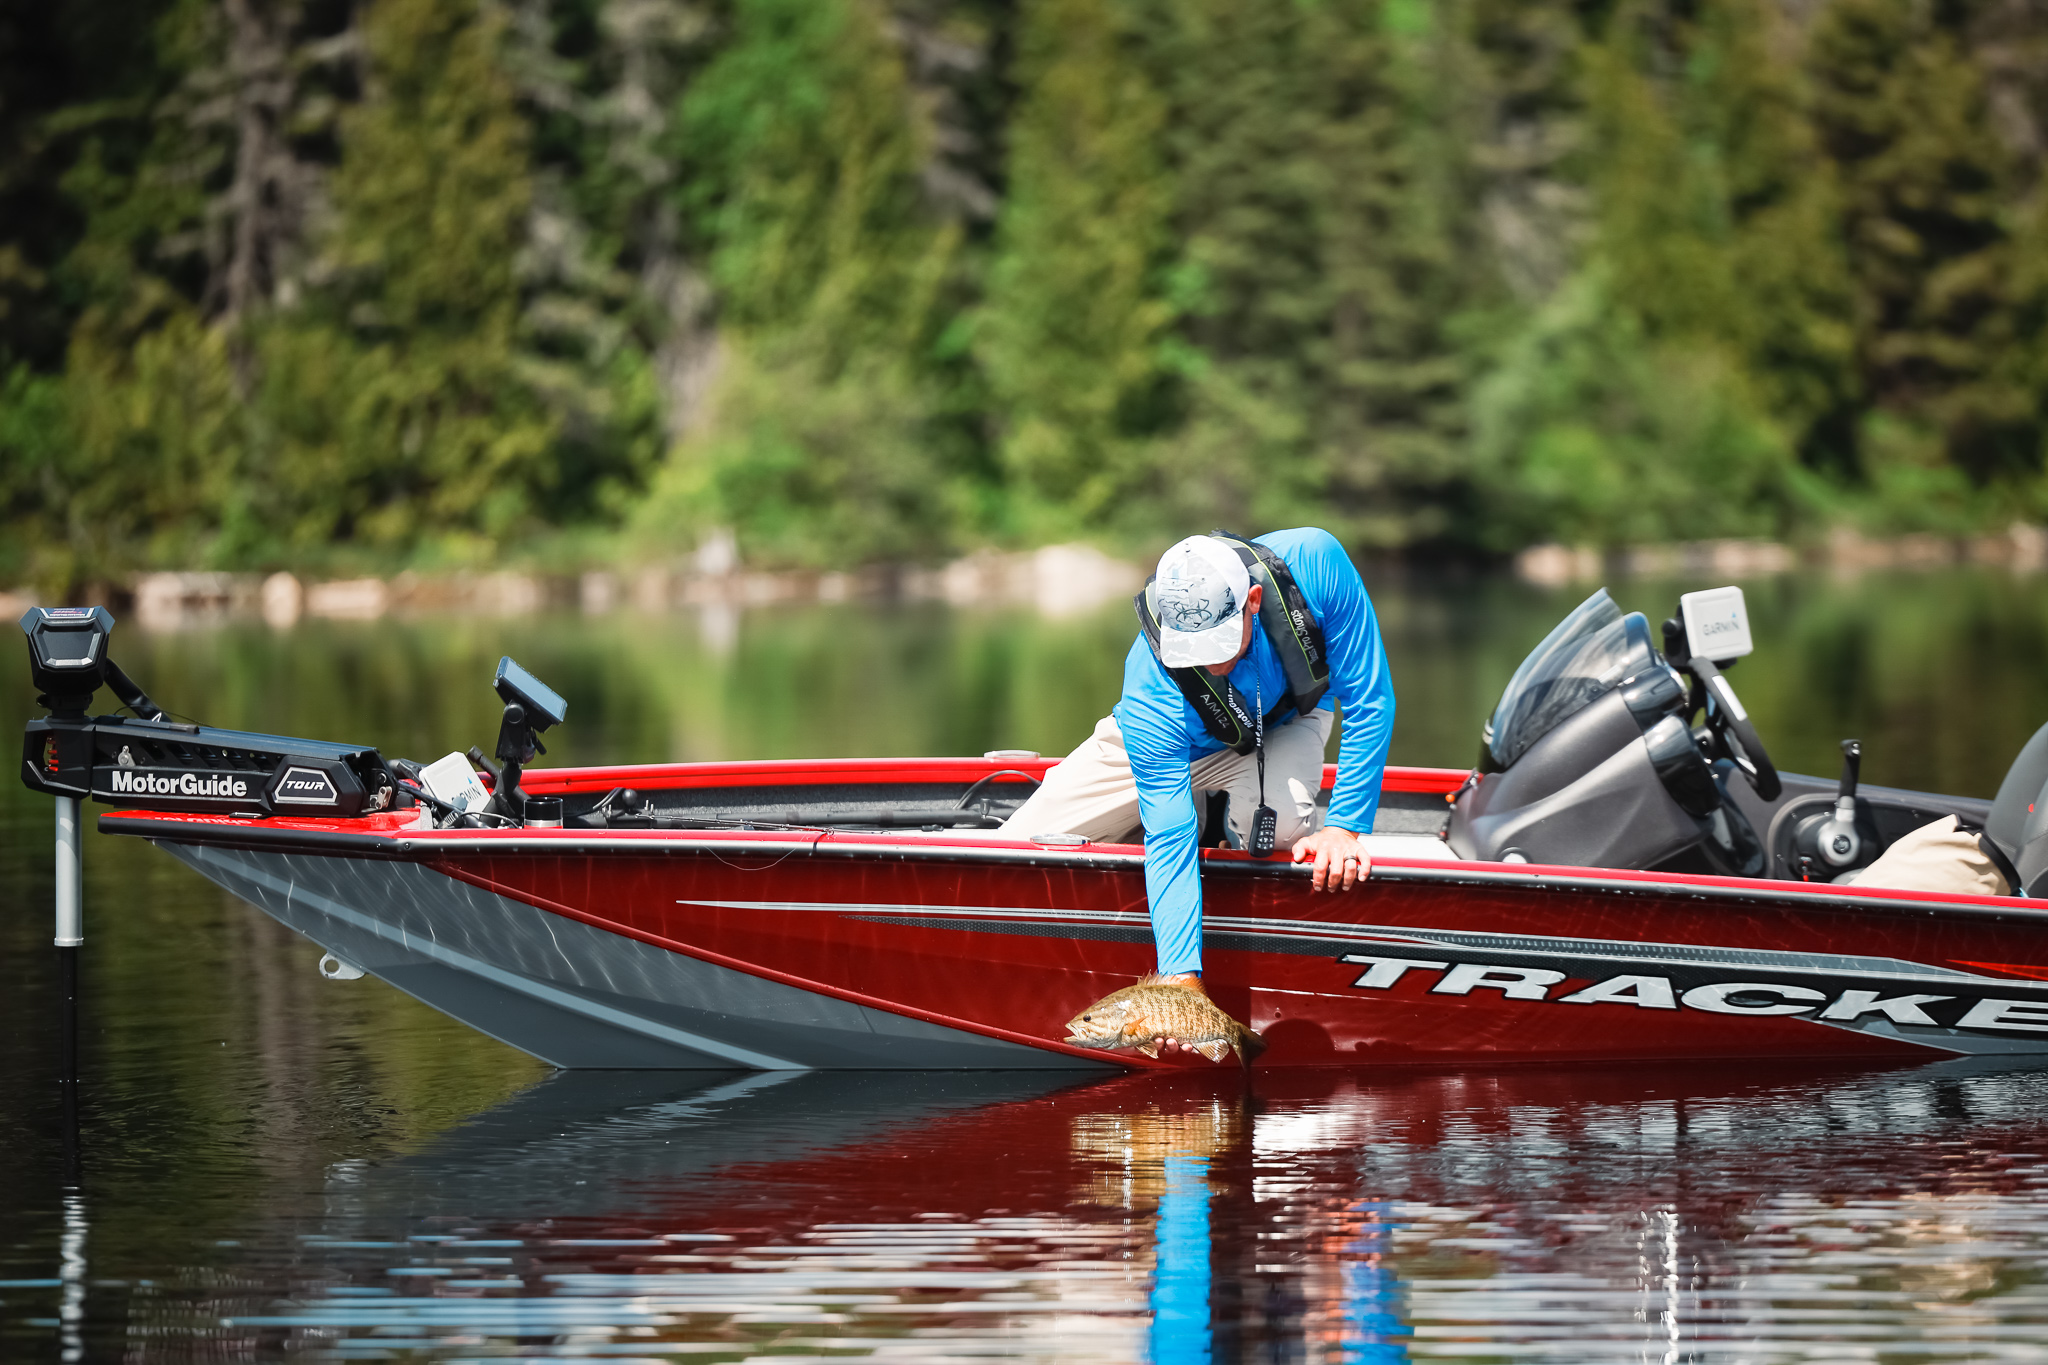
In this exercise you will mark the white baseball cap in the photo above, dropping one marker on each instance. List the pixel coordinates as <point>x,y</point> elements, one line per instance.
<point>1199,594</point>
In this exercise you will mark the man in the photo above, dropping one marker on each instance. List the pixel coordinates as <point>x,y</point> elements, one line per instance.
<point>1245,650</point>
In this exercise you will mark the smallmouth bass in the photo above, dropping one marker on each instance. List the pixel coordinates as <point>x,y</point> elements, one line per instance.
<point>1141,1016</point>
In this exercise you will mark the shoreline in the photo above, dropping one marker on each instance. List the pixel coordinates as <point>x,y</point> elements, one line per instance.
<point>1056,580</point>
<point>2020,548</point>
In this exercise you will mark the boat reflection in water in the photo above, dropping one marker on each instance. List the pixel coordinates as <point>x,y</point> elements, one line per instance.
<point>1571,1215</point>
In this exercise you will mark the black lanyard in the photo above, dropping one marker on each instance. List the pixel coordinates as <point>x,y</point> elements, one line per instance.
<point>1265,823</point>
<point>1259,734</point>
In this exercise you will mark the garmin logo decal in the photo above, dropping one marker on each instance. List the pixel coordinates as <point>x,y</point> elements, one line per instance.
<point>1757,998</point>
<point>304,787</point>
<point>135,782</point>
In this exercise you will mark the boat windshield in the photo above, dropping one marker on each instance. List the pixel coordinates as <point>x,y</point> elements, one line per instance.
<point>1590,652</point>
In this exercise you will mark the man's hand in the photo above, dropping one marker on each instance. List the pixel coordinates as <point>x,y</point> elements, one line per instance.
<point>1337,853</point>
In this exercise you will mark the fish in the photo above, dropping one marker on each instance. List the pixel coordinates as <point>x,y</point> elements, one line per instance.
<point>1144,1014</point>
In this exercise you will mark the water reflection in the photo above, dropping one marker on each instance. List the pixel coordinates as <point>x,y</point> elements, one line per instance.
<point>1584,1215</point>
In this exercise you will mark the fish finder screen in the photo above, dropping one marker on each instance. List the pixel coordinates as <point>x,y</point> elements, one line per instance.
<point>532,691</point>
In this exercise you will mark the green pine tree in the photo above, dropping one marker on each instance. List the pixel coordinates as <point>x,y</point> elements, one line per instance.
<point>1315,185</point>
<point>1649,398</point>
<point>1790,298</point>
<point>805,147</point>
<point>399,406</point>
<point>149,423</point>
<point>1927,193</point>
<point>1074,332</point>
<point>804,142</point>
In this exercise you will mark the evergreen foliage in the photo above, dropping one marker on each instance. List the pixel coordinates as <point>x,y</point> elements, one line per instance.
<point>1927,197</point>
<point>1076,315</point>
<point>400,410</point>
<point>1320,268</point>
<point>317,283</point>
<point>1650,395</point>
<point>805,144</point>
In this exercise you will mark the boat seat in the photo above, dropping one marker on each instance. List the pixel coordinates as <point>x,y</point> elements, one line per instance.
<point>2018,822</point>
<point>2013,808</point>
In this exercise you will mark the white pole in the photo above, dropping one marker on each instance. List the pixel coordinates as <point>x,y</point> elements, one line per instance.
<point>70,918</point>
<point>70,933</point>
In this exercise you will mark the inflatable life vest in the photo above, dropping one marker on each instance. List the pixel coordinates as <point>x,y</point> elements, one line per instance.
<point>1296,635</point>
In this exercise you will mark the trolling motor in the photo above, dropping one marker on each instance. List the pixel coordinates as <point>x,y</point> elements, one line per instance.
<point>67,660</point>
<point>151,762</point>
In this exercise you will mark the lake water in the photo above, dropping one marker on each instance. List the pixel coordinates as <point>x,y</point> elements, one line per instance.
<point>275,1165</point>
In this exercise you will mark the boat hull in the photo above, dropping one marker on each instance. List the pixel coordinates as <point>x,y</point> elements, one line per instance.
<point>573,995</point>
<point>783,950</point>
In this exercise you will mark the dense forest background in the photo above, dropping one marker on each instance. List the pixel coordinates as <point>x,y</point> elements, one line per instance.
<point>394,283</point>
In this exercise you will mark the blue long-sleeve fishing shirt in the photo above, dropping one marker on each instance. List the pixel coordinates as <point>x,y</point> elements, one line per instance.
<point>1163,735</point>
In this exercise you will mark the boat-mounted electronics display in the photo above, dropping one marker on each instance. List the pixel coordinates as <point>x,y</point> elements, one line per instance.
<point>531,706</point>
<point>543,705</point>
<point>1716,624</point>
<point>452,781</point>
<point>150,762</point>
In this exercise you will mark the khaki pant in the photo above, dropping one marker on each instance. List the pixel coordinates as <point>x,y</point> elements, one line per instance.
<point>1092,793</point>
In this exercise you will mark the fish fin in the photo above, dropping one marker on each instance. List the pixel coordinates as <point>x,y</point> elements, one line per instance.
<point>1215,1050</point>
<point>1149,1049</point>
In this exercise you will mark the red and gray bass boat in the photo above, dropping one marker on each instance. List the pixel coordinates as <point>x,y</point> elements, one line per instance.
<point>1624,876</point>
